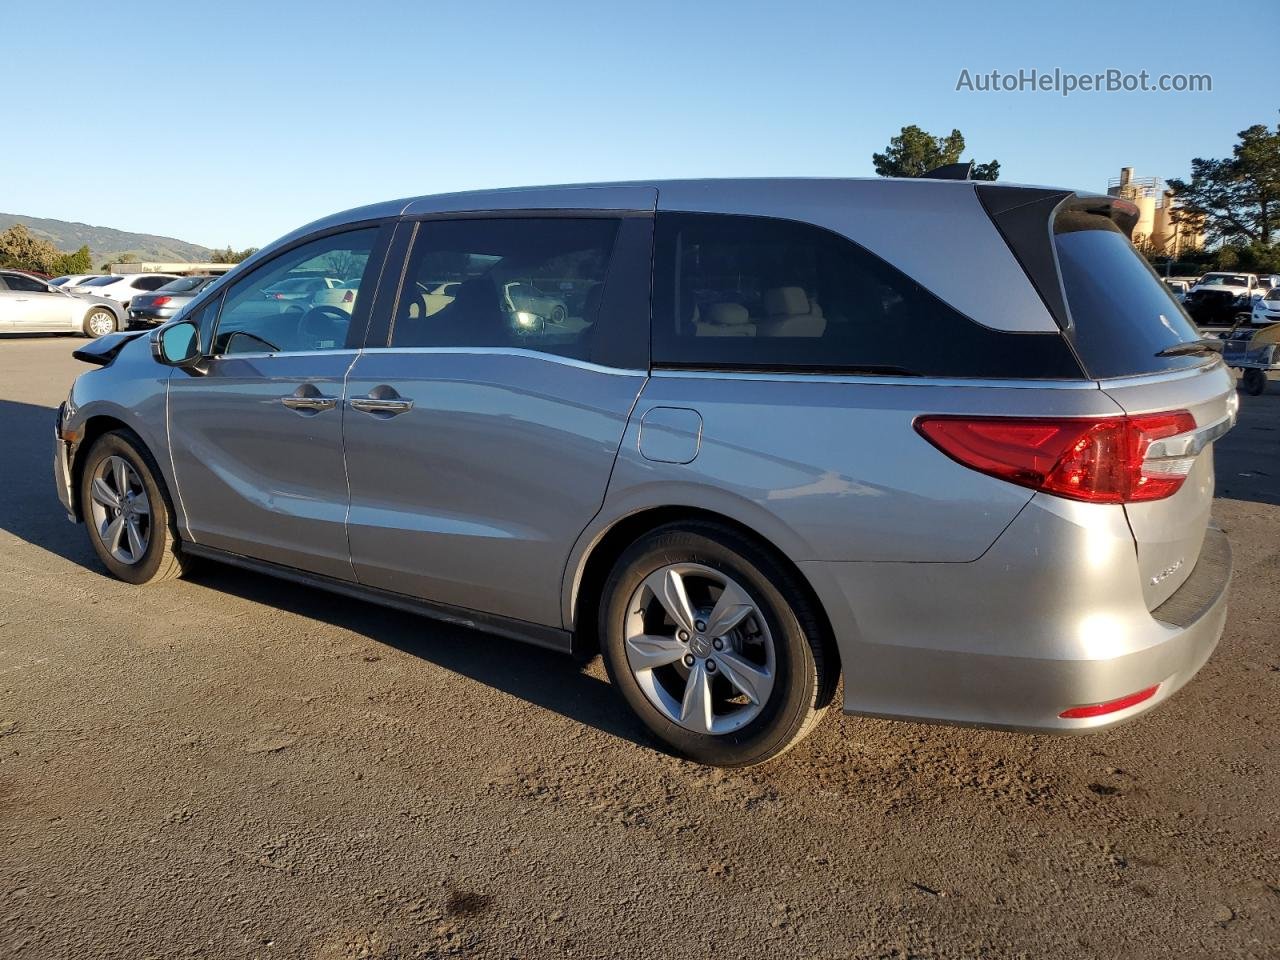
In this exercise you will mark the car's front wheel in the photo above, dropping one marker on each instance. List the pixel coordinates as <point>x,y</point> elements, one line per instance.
<point>715,645</point>
<point>127,512</point>
<point>98,322</point>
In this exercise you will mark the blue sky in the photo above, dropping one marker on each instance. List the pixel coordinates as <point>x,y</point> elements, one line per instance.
<point>234,122</point>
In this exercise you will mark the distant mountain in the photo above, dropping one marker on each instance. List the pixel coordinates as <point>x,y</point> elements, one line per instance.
<point>107,244</point>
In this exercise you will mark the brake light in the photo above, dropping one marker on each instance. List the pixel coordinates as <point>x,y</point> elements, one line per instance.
<point>1097,460</point>
<point>160,301</point>
<point>348,297</point>
<point>1110,706</point>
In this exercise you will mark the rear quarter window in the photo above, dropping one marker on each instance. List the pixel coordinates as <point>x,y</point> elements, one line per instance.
<point>756,293</point>
<point>1122,315</point>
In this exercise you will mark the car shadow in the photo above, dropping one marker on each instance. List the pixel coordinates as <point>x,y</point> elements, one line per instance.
<point>544,678</point>
<point>31,512</point>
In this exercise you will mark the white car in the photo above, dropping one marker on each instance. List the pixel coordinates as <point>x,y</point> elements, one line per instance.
<point>122,287</point>
<point>1266,309</point>
<point>342,296</point>
<point>30,305</point>
<point>1239,284</point>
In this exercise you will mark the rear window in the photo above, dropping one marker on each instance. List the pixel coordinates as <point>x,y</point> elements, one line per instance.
<point>757,293</point>
<point>1122,316</point>
<point>183,285</point>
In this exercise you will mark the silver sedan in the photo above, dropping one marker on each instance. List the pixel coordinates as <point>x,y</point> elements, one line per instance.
<point>30,305</point>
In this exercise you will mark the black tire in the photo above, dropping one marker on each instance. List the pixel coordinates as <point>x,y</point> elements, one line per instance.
<point>806,669</point>
<point>162,559</point>
<point>1254,382</point>
<point>86,326</point>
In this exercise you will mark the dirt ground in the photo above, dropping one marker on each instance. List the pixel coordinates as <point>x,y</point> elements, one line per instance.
<point>229,766</point>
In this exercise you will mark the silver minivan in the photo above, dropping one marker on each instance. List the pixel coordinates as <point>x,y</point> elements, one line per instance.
<point>950,442</point>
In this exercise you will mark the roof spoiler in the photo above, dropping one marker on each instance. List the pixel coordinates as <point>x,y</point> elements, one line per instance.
<point>952,171</point>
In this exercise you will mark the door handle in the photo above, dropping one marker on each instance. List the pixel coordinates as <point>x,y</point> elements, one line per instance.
<point>316,404</point>
<point>380,405</point>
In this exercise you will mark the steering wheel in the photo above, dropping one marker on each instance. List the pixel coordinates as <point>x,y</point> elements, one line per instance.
<point>324,322</point>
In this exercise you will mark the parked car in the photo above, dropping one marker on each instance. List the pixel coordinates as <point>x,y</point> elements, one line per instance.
<point>122,288</point>
<point>152,309</point>
<point>1222,298</point>
<point>531,307</point>
<point>1178,288</point>
<point>984,492</point>
<point>342,296</point>
<point>1266,309</point>
<point>73,279</point>
<point>299,288</point>
<point>31,305</point>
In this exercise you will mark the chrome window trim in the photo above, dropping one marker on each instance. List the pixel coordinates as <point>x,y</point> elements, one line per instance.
<point>887,379</point>
<point>514,352</point>
<point>263,355</point>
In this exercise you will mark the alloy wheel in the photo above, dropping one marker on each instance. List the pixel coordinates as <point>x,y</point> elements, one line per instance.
<point>699,648</point>
<point>121,509</point>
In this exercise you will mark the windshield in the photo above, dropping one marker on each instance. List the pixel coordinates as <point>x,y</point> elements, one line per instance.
<point>101,281</point>
<point>1224,279</point>
<point>184,285</point>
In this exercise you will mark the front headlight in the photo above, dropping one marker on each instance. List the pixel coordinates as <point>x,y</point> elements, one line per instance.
<point>527,320</point>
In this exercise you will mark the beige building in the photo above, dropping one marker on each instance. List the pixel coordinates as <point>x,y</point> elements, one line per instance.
<point>181,269</point>
<point>1159,229</point>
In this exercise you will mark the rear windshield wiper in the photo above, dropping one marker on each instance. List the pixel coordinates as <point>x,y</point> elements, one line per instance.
<point>1189,347</point>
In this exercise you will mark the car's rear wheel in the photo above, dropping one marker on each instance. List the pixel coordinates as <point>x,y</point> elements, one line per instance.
<point>558,314</point>
<point>1254,382</point>
<point>127,511</point>
<point>98,322</point>
<point>714,645</point>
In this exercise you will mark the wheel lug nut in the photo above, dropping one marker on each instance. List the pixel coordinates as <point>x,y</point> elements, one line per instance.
<point>700,626</point>
<point>688,660</point>
<point>718,643</point>
<point>684,637</point>
<point>711,666</point>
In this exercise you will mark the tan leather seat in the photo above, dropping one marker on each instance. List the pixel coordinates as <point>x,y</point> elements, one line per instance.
<point>723,320</point>
<point>790,313</point>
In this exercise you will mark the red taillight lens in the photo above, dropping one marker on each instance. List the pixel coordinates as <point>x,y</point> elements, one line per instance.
<point>1102,460</point>
<point>348,297</point>
<point>160,301</point>
<point>1111,706</point>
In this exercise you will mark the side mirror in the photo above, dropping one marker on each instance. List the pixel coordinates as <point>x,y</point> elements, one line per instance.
<point>177,344</point>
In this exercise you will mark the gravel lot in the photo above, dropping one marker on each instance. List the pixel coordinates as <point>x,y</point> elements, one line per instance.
<point>229,766</point>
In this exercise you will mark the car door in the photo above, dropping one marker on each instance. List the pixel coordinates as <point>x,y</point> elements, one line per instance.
<point>28,306</point>
<point>256,432</point>
<point>481,436</point>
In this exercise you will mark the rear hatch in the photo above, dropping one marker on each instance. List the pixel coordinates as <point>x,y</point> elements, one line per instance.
<point>1130,334</point>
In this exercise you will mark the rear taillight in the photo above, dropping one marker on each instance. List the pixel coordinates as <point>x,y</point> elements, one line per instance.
<point>160,301</point>
<point>348,297</point>
<point>1102,460</point>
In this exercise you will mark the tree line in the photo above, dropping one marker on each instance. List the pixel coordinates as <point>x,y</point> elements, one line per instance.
<point>20,249</point>
<point>1234,201</point>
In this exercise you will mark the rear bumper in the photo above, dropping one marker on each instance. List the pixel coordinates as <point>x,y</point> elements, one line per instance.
<point>1014,638</point>
<point>149,317</point>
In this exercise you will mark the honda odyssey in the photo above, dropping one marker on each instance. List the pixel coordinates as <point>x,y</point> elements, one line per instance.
<point>949,441</point>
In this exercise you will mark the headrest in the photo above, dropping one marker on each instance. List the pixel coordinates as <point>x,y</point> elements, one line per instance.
<point>785,301</point>
<point>725,314</point>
